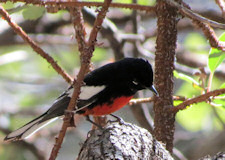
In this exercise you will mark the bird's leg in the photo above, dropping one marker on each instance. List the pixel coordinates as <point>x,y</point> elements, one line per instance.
<point>89,120</point>
<point>118,119</point>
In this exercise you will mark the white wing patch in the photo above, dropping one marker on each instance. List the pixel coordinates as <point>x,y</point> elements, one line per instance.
<point>88,91</point>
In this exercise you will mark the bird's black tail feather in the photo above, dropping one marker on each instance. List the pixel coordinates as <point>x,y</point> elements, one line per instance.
<point>29,128</point>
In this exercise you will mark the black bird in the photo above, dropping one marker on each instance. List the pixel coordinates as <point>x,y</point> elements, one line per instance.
<point>105,90</point>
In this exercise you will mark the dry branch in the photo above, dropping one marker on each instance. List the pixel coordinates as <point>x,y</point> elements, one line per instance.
<point>86,50</point>
<point>192,15</point>
<point>151,99</point>
<point>35,47</point>
<point>221,4</point>
<point>201,98</point>
<point>201,22</point>
<point>210,35</point>
<point>68,4</point>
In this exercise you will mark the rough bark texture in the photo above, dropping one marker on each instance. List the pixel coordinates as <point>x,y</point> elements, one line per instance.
<point>218,156</point>
<point>164,66</point>
<point>122,141</point>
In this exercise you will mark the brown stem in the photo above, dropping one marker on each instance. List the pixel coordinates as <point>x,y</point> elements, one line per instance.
<point>86,50</point>
<point>61,5</point>
<point>201,98</point>
<point>210,35</point>
<point>221,4</point>
<point>194,16</point>
<point>164,66</point>
<point>201,22</point>
<point>35,47</point>
<point>151,99</point>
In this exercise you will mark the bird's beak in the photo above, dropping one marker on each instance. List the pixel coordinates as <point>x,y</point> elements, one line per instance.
<point>152,88</point>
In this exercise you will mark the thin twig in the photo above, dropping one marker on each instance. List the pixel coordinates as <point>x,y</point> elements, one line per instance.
<point>210,81</point>
<point>210,35</point>
<point>201,22</point>
<point>150,99</point>
<point>86,50</point>
<point>201,98</point>
<point>35,47</point>
<point>61,5</point>
<point>80,36</point>
<point>189,13</point>
<point>140,100</point>
<point>221,4</point>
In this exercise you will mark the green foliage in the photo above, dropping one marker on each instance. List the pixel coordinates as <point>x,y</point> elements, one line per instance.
<point>216,57</point>
<point>202,115</point>
<point>191,118</point>
<point>30,100</point>
<point>177,102</point>
<point>195,118</point>
<point>146,2</point>
<point>33,12</point>
<point>195,42</point>
<point>186,78</point>
<point>99,54</point>
<point>14,152</point>
<point>7,5</point>
<point>198,116</point>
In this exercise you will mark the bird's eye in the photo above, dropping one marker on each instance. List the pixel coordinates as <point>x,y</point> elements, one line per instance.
<point>135,82</point>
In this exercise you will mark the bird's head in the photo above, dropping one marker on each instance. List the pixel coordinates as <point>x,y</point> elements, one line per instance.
<point>141,74</point>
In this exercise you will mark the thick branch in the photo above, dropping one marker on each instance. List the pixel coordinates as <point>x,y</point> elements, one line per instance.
<point>35,47</point>
<point>164,66</point>
<point>116,141</point>
<point>201,98</point>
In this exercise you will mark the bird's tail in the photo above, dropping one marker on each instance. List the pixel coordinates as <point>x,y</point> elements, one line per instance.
<point>29,129</point>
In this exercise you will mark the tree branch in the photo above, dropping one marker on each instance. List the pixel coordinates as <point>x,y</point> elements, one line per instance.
<point>201,22</point>
<point>116,141</point>
<point>221,4</point>
<point>68,4</point>
<point>210,35</point>
<point>164,65</point>
<point>86,49</point>
<point>151,99</point>
<point>192,15</point>
<point>35,47</point>
<point>201,98</point>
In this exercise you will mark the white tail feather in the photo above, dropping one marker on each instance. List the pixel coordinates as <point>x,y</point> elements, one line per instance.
<point>28,130</point>
<point>36,128</point>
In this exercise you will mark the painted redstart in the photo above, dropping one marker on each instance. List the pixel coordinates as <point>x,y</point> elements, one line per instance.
<point>105,90</point>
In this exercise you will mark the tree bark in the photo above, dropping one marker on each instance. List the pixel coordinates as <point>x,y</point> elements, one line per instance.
<point>122,141</point>
<point>164,66</point>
